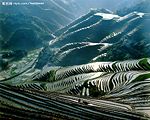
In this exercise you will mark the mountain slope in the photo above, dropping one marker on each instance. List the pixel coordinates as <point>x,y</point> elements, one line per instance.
<point>23,32</point>
<point>41,21</point>
<point>101,36</point>
<point>83,18</point>
<point>51,13</point>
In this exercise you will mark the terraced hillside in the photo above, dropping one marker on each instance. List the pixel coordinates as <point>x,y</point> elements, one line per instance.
<point>94,67</point>
<point>120,90</point>
<point>106,37</point>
